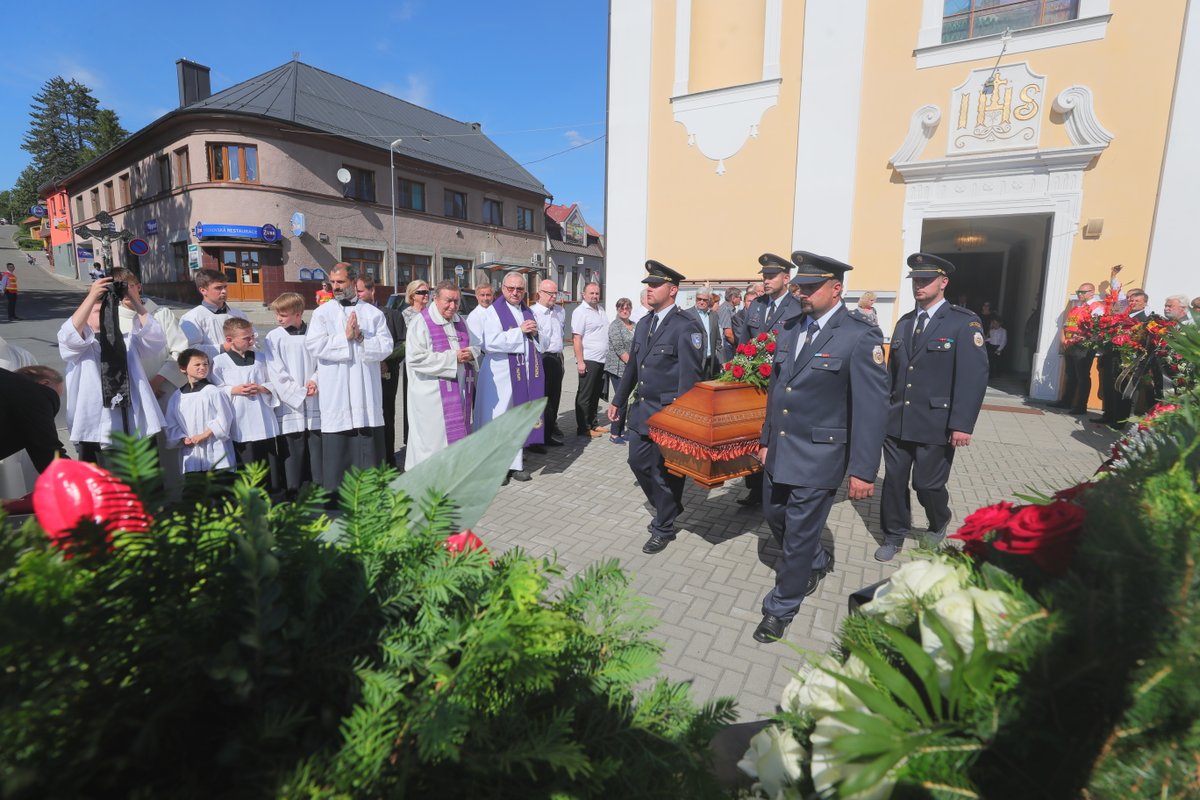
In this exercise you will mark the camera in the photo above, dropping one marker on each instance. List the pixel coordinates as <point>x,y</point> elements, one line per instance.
<point>117,289</point>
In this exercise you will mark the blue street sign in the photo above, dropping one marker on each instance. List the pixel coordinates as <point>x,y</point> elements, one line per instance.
<point>83,252</point>
<point>151,227</point>
<point>138,247</point>
<point>298,224</point>
<point>270,233</point>
<point>37,211</point>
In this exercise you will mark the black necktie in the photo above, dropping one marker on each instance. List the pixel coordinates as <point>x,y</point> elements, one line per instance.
<point>813,330</point>
<point>922,318</point>
<point>653,326</point>
<point>770,312</point>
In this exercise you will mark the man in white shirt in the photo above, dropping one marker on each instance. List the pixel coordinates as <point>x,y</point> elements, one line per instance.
<point>485,295</point>
<point>551,318</point>
<point>349,339</point>
<point>589,334</point>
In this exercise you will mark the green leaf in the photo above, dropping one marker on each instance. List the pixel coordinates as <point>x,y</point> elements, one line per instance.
<point>920,662</point>
<point>471,470</point>
<point>894,682</point>
<point>879,702</point>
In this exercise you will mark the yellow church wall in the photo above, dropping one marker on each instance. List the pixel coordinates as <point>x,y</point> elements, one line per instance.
<point>730,36</point>
<point>1131,75</point>
<point>711,226</point>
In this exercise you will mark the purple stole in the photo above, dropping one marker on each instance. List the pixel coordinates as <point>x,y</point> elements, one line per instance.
<point>525,372</point>
<point>456,409</point>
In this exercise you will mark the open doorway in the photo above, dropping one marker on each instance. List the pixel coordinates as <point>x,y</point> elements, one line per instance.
<point>1000,273</point>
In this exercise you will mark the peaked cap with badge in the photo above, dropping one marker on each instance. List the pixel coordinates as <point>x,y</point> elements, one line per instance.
<point>772,264</point>
<point>812,268</point>
<point>659,273</point>
<point>924,265</point>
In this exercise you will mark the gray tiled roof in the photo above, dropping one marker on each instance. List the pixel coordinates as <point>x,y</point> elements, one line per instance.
<point>305,95</point>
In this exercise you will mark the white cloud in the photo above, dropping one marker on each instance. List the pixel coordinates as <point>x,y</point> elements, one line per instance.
<point>74,71</point>
<point>574,138</point>
<point>403,12</point>
<point>415,89</point>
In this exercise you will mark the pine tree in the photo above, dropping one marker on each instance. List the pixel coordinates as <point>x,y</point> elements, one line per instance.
<point>107,133</point>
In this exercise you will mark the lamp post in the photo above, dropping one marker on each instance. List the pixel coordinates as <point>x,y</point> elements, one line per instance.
<point>392,165</point>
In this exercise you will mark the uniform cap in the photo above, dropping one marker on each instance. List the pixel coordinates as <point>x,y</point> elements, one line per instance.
<point>812,268</point>
<point>658,273</point>
<point>772,264</point>
<point>924,265</point>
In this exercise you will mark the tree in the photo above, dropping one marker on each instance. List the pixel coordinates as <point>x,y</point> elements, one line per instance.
<point>107,133</point>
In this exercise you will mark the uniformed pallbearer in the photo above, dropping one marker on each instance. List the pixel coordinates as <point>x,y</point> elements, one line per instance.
<point>939,372</point>
<point>826,411</point>
<point>765,314</point>
<point>665,360</point>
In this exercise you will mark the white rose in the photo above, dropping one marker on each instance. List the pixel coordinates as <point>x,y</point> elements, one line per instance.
<point>830,768</point>
<point>820,692</point>
<point>773,759</point>
<point>914,586</point>
<point>957,612</point>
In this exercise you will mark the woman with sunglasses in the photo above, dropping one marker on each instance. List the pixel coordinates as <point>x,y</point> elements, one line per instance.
<point>416,294</point>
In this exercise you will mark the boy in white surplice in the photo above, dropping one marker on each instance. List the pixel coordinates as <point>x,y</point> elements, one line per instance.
<point>200,417</point>
<point>243,373</point>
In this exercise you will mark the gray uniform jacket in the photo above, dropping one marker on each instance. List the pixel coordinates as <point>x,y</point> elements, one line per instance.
<point>662,368</point>
<point>757,320</point>
<point>938,387</point>
<point>827,410</point>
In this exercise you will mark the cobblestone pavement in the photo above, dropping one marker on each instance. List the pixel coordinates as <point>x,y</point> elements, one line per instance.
<point>706,588</point>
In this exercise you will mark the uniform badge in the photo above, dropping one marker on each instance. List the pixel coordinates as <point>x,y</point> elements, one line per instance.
<point>975,324</point>
<point>978,339</point>
<point>877,354</point>
<point>697,340</point>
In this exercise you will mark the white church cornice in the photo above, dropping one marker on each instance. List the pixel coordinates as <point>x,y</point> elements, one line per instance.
<point>921,128</point>
<point>1083,128</point>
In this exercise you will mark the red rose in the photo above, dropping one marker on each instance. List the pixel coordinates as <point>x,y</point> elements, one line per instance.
<point>764,370</point>
<point>1047,534</point>
<point>762,337</point>
<point>738,371</point>
<point>984,521</point>
<point>770,347</point>
<point>726,367</point>
<point>1121,339</point>
<point>775,333</point>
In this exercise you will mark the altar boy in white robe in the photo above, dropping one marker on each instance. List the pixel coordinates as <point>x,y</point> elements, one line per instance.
<point>200,418</point>
<point>349,339</point>
<point>243,373</point>
<point>204,325</point>
<point>294,375</point>
<point>442,362</point>
<point>512,373</point>
<point>91,419</point>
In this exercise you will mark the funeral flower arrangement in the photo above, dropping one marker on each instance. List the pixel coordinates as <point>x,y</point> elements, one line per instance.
<point>751,362</point>
<point>1054,657</point>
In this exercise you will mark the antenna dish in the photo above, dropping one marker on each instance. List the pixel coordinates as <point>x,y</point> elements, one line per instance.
<point>343,175</point>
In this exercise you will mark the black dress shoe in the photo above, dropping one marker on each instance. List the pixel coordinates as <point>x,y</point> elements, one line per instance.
<point>520,475</point>
<point>752,499</point>
<point>655,544</point>
<point>814,578</point>
<point>553,442</point>
<point>770,629</point>
<point>537,448</point>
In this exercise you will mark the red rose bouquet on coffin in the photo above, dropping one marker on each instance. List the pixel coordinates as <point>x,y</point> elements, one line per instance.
<point>1046,534</point>
<point>751,362</point>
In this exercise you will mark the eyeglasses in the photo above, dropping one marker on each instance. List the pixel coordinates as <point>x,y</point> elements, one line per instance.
<point>514,288</point>
<point>545,291</point>
<point>1082,291</point>
<point>421,291</point>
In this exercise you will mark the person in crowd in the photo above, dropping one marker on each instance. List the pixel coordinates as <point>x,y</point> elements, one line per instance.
<point>620,339</point>
<point>96,406</point>
<point>1138,300</point>
<point>763,316</point>
<point>997,340</point>
<point>204,325</point>
<point>9,288</point>
<point>665,360</point>
<point>739,317</point>
<point>821,425</point>
<point>242,372</point>
<point>939,372</point>
<point>485,295</point>
<point>1079,358</point>
<point>512,372</point>
<point>29,401</point>
<point>703,313</point>
<point>325,293</point>
<point>416,296</point>
<point>442,366</point>
<point>986,314</point>
<point>200,417</point>
<point>733,302</point>
<point>293,373</point>
<point>865,309</point>
<point>589,339</point>
<point>551,318</point>
<point>349,339</point>
<point>392,368</point>
<point>1195,306</point>
<point>96,271</point>
<point>1176,308</point>
<point>642,308</point>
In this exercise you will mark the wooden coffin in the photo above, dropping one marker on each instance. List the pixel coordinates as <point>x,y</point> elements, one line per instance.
<point>711,433</point>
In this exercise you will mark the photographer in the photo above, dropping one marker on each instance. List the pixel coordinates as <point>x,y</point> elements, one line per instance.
<point>107,389</point>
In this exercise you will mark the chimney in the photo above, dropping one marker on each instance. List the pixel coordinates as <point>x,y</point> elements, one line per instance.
<point>193,82</point>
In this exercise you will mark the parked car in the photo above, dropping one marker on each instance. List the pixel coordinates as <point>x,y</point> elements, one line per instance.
<point>467,305</point>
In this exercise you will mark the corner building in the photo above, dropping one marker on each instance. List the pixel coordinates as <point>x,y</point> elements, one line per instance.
<point>1034,159</point>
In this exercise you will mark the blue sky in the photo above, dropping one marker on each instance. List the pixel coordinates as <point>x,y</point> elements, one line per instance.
<point>533,73</point>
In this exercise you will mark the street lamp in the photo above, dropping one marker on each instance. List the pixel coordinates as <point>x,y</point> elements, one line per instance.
<point>392,165</point>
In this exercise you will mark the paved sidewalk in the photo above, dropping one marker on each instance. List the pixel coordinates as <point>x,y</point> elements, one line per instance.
<point>706,587</point>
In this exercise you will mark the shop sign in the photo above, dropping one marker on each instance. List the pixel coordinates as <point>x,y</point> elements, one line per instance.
<point>151,227</point>
<point>193,256</point>
<point>996,108</point>
<point>209,230</point>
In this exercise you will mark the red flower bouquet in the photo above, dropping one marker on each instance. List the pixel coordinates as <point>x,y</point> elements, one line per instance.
<point>1047,534</point>
<point>751,362</point>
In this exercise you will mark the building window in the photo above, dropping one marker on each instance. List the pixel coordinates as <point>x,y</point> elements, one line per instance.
<point>110,199</point>
<point>524,219</point>
<point>411,267</point>
<point>182,168</point>
<point>179,259</point>
<point>412,195</point>
<point>125,198</point>
<point>456,204</point>
<point>364,262</point>
<point>240,266</point>
<point>164,174</point>
<point>493,212</point>
<point>233,162</point>
<point>970,19</point>
<point>361,185</point>
<point>450,271</point>
<point>96,201</point>
<point>79,215</point>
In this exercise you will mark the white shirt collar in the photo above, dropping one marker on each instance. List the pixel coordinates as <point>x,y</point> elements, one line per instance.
<point>933,309</point>
<point>823,320</point>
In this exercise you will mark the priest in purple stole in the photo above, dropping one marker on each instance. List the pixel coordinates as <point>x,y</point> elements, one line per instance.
<point>512,366</point>
<point>442,367</point>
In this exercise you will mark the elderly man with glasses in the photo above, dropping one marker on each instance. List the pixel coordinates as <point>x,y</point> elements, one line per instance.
<point>1080,358</point>
<point>551,317</point>
<point>513,372</point>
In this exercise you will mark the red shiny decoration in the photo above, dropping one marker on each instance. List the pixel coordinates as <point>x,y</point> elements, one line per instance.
<point>464,541</point>
<point>71,491</point>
